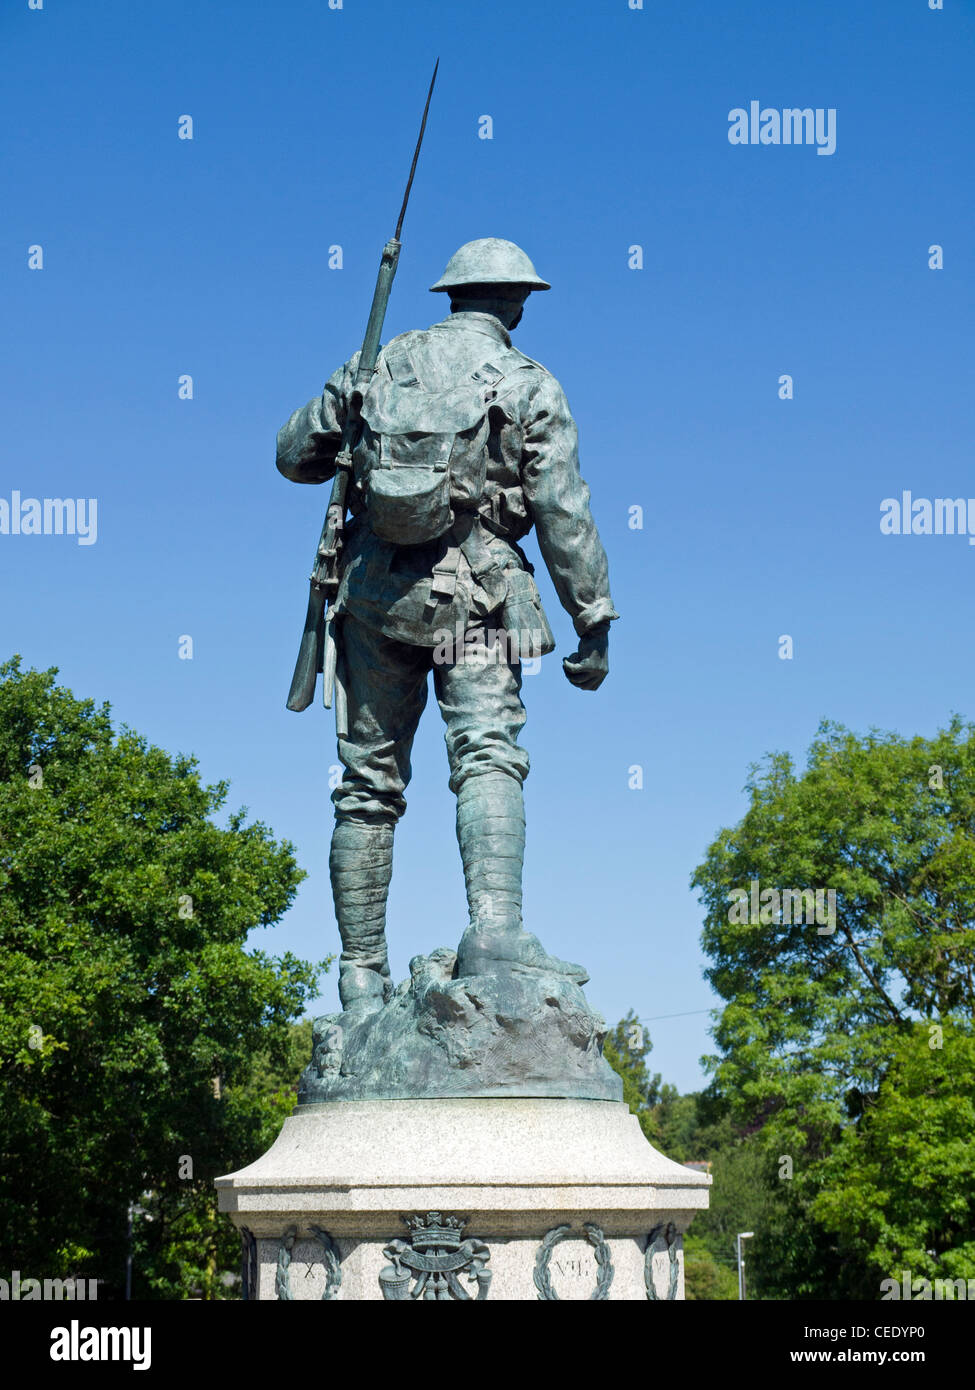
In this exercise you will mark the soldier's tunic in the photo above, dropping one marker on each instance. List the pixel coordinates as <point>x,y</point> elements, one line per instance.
<point>394,605</point>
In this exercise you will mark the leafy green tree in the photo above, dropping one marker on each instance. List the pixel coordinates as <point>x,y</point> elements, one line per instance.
<point>182,1246</point>
<point>818,1012</point>
<point>705,1278</point>
<point>626,1049</point>
<point>898,1187</point>
<point>677,1125</point>
<point>131,1006</point>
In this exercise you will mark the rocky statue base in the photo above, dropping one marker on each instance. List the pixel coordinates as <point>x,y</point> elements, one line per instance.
<point>519,1031</point>
<point>487,1197</point>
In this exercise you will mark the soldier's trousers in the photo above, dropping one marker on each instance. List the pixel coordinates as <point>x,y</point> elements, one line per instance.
<point>479,693</point>
<point>386,691</point>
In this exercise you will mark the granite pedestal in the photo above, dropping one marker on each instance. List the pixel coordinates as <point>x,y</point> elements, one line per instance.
<point>497,1198</point>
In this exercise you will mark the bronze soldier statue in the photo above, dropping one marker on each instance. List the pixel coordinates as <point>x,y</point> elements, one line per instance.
<point>463,444</point>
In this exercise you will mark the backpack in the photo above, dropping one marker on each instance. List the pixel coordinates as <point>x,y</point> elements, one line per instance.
<point>421,456</point>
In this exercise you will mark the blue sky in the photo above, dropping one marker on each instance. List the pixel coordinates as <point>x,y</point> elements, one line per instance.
<point>761,516</point>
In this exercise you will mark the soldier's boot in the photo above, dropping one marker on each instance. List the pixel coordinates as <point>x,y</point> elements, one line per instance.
<point>361,865</point>
<point>491,834</point>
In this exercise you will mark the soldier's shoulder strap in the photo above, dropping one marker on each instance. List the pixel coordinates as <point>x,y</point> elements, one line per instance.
<point>402,358</point>
<point>520,373</point>
<point>394,358</point>
<point>527,361</point>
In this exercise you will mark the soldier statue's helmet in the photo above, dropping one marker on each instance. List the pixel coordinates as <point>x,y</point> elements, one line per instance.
<point>490,261</point>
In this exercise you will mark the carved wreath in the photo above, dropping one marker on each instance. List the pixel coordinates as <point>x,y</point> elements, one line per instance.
<point>248,1263</point>
<point>596,1239</point>
<point>330,1260</point>
<point>670,1245</point>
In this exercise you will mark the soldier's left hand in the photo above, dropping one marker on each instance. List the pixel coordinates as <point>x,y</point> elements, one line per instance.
<point>589,666</point>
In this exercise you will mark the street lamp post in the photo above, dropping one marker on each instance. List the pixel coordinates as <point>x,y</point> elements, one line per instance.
<point>742,1235</point>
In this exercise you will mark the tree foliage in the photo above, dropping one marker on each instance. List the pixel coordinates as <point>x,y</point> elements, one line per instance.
<point>840,1118</point>
<point>132,1009</point>
<point>898,1188</point>
<point>823,1037</point>
<point>626,1049</point>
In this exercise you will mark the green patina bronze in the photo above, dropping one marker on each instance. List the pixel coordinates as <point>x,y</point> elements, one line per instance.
<point>604,1264</point>
<point>451,445</point>
<point>435,1258</point>
<point>671,1245</point>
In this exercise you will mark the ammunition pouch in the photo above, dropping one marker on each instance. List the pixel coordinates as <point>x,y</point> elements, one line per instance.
<point>524,617</point>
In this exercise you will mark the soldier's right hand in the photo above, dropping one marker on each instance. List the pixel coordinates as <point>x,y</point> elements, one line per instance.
<point>589,666</point>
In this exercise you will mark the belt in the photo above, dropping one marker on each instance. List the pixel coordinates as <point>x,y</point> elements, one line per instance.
<point>469,541</point>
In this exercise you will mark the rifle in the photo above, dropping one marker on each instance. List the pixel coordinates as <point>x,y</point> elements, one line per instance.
<point>317,651</point>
